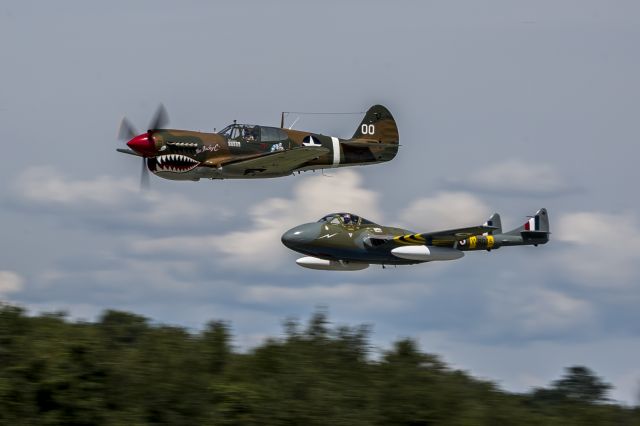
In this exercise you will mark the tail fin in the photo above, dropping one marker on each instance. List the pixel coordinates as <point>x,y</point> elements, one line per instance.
<point>537,224</point>
<point>378,124</point>
<point>494,220</point>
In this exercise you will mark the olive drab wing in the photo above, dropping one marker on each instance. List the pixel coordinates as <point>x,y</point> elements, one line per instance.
<point>249,151</point>
<point>347,242</point>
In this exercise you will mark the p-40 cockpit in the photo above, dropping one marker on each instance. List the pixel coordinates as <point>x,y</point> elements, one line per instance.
<point>253,133</point>
<point>347,219</point>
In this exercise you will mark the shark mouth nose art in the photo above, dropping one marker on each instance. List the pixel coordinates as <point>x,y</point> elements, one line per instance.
<point>175,163</point>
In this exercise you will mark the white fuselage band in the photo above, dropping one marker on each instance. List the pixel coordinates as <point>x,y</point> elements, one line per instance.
<point>336,151</point>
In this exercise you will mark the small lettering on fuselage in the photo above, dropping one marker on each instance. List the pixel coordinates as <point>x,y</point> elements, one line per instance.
<point>210,148</point>
<point>234,144</point>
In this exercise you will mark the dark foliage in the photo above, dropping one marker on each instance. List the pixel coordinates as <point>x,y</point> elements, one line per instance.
<point>124,370</point>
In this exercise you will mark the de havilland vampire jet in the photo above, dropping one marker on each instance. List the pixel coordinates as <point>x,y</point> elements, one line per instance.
<point>346,242</point>
<point>245,151</point>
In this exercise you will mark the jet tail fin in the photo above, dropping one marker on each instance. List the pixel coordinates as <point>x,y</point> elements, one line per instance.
<point>534,230</point>
<point>494,220</point>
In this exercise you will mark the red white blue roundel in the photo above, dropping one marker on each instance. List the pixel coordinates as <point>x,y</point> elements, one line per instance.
<point>533,224</point>
<point>311,141</point>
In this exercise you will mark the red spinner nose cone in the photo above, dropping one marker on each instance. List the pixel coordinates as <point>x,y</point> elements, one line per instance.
<point>143,144</point>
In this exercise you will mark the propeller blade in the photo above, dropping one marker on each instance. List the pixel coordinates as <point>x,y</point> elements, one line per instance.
<point>127,130</point>
<point>160,118</point>
<point>144,176</point>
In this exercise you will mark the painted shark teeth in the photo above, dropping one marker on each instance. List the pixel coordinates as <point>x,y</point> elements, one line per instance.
<point>175,163</point>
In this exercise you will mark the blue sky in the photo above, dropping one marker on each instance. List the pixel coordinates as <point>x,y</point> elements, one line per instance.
<point>502,106</point>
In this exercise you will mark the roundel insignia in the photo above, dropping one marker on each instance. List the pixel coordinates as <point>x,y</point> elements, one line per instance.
<point>310,141</point>
<point>462,234</point>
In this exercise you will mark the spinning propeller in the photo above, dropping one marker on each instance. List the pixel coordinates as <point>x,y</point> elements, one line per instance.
<point>142,144</point>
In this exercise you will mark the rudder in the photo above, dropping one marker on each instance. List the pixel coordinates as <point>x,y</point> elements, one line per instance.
<point>378,124</point>
<point>494,220</point>
<point>539,223</point>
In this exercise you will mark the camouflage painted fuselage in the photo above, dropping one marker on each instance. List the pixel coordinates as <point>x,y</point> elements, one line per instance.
<point>250,151</point>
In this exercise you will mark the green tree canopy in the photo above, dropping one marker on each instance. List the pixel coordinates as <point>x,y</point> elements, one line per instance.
<point>581,384</point>
<point>125,369</point>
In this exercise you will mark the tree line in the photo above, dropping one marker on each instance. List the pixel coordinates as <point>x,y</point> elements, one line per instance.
<point>125,370</point>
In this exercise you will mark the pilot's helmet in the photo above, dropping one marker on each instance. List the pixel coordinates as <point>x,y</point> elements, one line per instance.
<point>346,218</point>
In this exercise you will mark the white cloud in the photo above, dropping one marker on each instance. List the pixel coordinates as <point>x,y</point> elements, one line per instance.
<point>258,246</point>
<point>445,210</point>
<point>535,312</point>
<point>47,185</point>
<point>107,197</point>
<point>10,282</point>
<point>600,249</point>
<point>515,176</point>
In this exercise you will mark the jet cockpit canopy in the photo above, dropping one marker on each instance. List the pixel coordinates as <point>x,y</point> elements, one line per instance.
<point>348,219</point>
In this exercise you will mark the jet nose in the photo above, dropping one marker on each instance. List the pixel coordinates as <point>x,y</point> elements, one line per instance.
<point>301,235</point>
<point>143,144</point>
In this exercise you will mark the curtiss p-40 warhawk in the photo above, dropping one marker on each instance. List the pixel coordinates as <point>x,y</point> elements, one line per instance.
<point>346,242</point>
<point>244,151</point>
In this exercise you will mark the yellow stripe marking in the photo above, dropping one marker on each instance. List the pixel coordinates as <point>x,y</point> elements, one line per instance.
<point>404,239</point>
<point>472,242</point>
<point>490,241</point>
<point>409,239</point>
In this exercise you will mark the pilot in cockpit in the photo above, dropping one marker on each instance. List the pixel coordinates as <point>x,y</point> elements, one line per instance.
<point>250,134</point>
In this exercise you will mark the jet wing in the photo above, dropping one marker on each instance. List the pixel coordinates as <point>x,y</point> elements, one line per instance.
<point>443,238</point>
<point>458,233</point>
<point>275,163</point>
